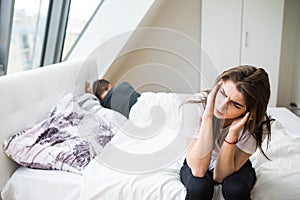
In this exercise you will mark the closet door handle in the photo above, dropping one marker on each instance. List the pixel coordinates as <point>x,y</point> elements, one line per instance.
<point>246,39</point>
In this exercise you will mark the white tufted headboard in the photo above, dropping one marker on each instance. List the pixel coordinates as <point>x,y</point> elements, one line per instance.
<point>27,97</point>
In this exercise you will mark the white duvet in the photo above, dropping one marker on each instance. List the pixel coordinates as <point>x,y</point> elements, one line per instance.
<point>145,165</point>
<point>279,179</point>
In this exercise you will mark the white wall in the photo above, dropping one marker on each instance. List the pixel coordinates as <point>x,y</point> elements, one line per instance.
<point>172,64</point>
<point>296,77</point>
<point>113,18</point>
<point>288,88</point>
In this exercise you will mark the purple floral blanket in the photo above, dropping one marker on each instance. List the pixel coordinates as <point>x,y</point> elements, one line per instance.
<point>73,133</point>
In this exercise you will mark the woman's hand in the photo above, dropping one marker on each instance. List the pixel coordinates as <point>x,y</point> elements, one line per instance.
<point>209,108</point>
<point>238,124</point>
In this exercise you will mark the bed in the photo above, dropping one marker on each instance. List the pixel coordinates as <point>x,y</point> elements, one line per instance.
<point>139,158</point>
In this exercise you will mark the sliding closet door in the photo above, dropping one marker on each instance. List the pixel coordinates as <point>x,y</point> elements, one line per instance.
<point>243,32</point>
<point>221,31</point>
<point>261,37</point>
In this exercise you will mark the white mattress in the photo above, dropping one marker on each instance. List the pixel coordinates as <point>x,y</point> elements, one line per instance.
<point>34,184</point>
<point>277,179</point>
<point>288,120</point>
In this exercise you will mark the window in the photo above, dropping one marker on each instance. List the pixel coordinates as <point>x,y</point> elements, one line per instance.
<point>79,15</point>
<point>28,34</point>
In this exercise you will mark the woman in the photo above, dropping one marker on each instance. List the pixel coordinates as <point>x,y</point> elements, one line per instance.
<point>233,124</point>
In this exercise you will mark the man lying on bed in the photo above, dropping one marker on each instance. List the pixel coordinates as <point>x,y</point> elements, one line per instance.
<point>119,98</point>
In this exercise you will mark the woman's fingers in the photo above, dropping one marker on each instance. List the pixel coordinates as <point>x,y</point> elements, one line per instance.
<point>212,94</point>
<point>237,125</point>
<point>245,118</point>
<point>216,88</point>
<point>211,99</point>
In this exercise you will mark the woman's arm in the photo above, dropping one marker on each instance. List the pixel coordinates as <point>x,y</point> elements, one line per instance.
<point>200,149</point>
<point>230,158</point>
<point>199,152</point>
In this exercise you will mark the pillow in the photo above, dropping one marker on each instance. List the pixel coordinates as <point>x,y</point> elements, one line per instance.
<point>66,140</point>
<point>88,102</point>
<point>91,103</point>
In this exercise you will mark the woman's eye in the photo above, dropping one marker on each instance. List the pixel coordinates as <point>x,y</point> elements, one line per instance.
<point>236,105</point>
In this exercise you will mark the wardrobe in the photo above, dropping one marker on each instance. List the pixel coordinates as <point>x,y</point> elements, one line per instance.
<point>235,32</point>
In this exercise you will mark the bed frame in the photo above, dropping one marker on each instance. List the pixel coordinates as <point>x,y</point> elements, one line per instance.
<point>27,97</point>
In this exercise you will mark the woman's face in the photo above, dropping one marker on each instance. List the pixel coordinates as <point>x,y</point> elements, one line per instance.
<point>229,102</point>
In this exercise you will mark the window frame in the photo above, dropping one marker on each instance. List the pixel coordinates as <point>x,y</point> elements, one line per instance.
<point>55,31</point>
<point>56,25</point>
<point>6,19</point>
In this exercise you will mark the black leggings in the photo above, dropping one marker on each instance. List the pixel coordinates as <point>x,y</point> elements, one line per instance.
<point>236,186</point>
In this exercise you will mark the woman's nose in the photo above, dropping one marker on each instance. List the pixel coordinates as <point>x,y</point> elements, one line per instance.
<point>224,103</point>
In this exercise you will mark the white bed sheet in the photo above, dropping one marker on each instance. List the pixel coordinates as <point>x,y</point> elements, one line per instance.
<point>289,121</point>
<point>35,184</point>
<point>155,173</point>
<point>278,179</point>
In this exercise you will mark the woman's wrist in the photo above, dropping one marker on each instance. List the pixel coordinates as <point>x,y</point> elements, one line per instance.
<point>230,142</point>
<point>231,139</point>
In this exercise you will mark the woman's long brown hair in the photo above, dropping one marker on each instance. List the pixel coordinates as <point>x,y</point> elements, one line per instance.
<point>254,85</point>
